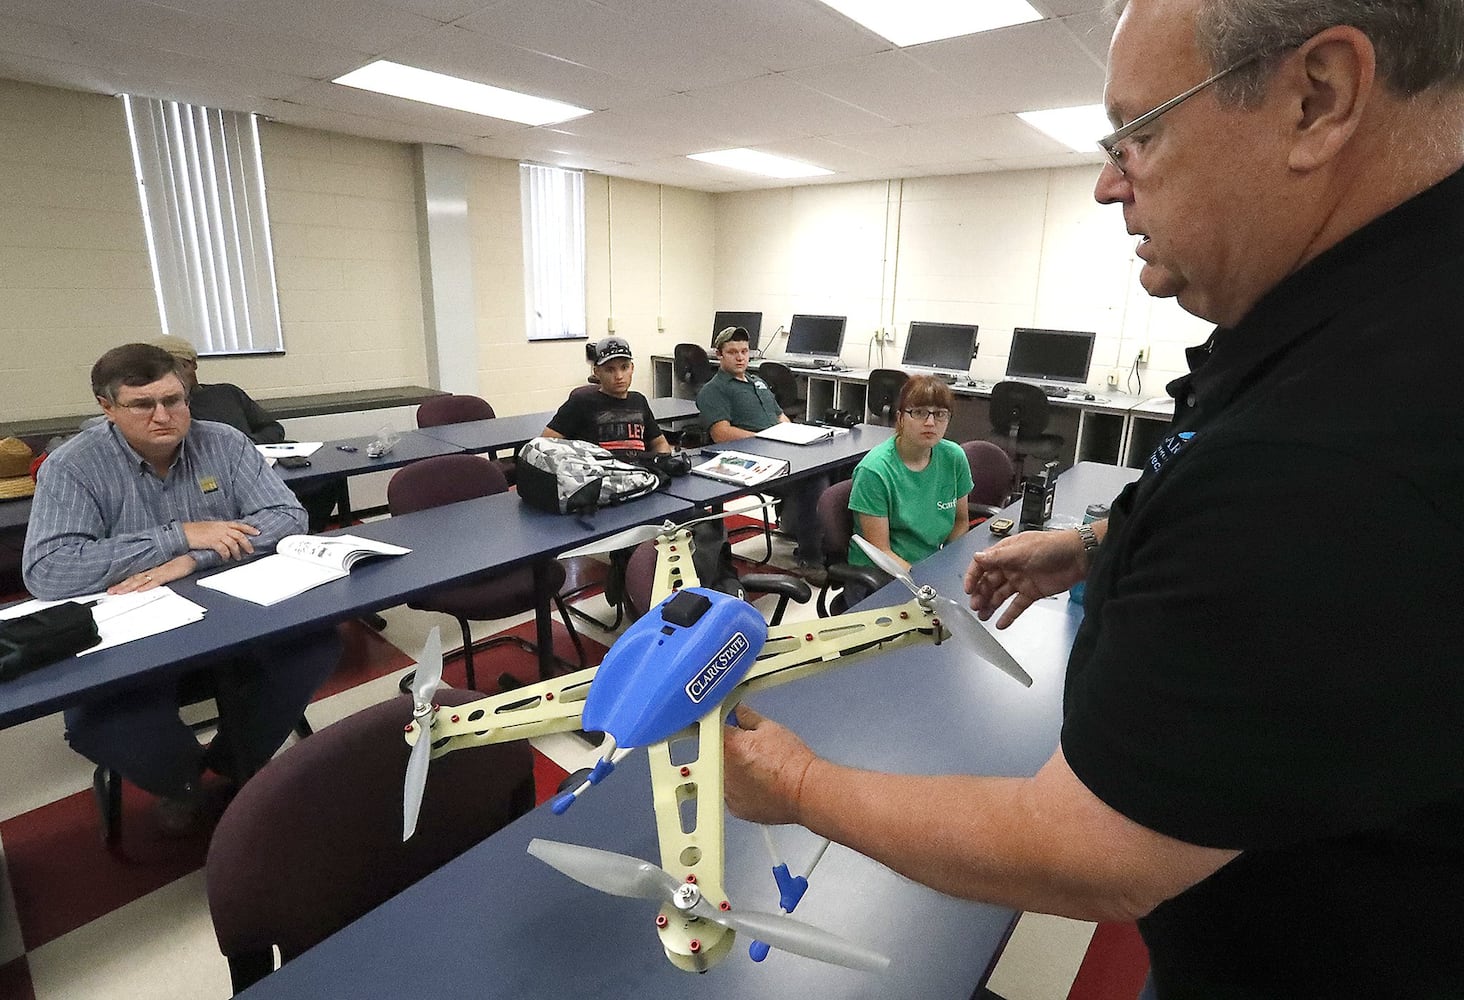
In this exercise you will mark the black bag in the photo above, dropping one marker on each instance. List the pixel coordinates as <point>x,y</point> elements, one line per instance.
<point>45,636</point>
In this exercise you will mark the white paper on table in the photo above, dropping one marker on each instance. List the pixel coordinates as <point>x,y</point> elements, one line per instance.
<point>124,617</point>
<point>302,448</point>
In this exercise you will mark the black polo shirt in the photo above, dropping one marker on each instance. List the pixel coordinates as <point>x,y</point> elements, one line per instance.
<point>1273,654</point>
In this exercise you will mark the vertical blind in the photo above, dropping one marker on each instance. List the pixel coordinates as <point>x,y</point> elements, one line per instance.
<point>201,181</point>
<point>554,251</point>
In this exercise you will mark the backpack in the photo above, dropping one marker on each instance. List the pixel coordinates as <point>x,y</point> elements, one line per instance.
<point>570,477</point>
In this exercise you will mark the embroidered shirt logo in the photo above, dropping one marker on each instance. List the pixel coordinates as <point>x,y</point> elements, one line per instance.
<point>208,484</point>
<point>1168,449</point>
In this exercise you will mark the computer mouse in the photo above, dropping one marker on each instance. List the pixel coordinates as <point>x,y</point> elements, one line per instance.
<point>1089,395</point>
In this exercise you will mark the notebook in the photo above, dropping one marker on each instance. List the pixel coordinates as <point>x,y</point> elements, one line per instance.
<point>791,433</point>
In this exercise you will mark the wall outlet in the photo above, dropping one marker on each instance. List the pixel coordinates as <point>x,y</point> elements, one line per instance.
<point>881,335</point>
<point>1113,379</point>
<point>661,324</point>
<point>1143,355</point>
<point>609,324</point>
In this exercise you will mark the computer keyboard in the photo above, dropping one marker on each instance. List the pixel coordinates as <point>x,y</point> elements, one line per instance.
<point>1055,391</point>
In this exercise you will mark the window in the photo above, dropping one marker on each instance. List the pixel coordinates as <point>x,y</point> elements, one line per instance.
<point>201,181</point>
<point>554,251</point>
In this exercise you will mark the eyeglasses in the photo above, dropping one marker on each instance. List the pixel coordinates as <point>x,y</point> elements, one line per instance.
<point>924,413</point>
<point>145,407</point>
<point>1116,143</point>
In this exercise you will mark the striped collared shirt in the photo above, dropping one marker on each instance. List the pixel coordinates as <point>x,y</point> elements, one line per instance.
<point>101,514</point>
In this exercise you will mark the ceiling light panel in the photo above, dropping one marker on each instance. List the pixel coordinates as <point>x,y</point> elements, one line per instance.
<point>753,162</point>
<point>427,87</point>
<point>912,22</point>
<point>1077,128</point>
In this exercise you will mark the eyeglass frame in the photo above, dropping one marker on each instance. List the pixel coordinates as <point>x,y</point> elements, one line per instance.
<point>147,406</point>
<point>939,413</point>
<point>1109,143</point>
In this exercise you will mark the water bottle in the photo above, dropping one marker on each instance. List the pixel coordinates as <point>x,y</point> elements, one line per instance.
<point>1095,512</point>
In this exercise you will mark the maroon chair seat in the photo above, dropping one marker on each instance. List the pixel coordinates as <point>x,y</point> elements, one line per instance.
<point>312,841</point>
<point>434,482</point>
<point>459,408</point>
<point>836,522</point>
<point>991,478</point>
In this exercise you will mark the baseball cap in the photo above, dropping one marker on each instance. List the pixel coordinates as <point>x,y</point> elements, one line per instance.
<point>609,349</point>
<point>178,348</point>
<point>727,334</point>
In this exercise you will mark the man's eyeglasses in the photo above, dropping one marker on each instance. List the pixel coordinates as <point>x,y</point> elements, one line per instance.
<point>924,413</point>
<point>1117,143</point>
<point>145,407</point>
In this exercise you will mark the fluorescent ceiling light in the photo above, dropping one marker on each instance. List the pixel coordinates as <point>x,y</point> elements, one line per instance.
<point>754,162</point>
<point>911,22</point>
<point>1076,128</point>
<point>461,95</point>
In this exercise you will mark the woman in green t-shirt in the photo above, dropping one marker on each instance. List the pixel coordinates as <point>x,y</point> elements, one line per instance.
<point>909,495</point>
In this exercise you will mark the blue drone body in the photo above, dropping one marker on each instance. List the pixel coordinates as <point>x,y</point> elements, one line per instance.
<point>673,665</point>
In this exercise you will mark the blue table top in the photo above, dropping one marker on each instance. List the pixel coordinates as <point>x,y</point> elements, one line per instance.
<point>330,461</point>
<point>448,544</point>
<point>496,920</point>
<point>510,432</point>
<point>803,460</point>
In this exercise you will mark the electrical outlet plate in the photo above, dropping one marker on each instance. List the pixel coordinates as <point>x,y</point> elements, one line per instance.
<point>1113,380</point>
<point>1143,355</point>
<point>610,324</point>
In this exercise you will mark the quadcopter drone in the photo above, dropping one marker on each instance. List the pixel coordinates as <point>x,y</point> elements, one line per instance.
<point>669,684</point>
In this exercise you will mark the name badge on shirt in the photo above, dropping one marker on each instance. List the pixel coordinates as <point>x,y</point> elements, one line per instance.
<point>1168,449</point>
<point>208,484</point>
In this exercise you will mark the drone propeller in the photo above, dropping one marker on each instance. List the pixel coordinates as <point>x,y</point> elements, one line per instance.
<point>957,619</point>
<point>424,687</point>
<point>631,537</point>
<point>621,875</point>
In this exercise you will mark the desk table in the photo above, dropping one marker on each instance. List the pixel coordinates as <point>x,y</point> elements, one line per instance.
<point>497,922</point>
<point>330,462</point>
<point>449,545</point>
<point>511,432</point>
<point>803,460</point>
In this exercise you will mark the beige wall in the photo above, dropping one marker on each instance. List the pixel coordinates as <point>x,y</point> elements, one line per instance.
<point>1018,248</point>
<point>74,272</point>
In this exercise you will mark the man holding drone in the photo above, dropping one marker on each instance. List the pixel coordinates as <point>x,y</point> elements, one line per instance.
<point>1264,715</point>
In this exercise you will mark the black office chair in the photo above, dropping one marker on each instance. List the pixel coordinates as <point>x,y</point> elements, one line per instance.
<point>883,394</point>
<point>1019,417</point>
<point>784,383</point>
<point>312,842</point>
<point>715,572</point>
<point>691,366</point>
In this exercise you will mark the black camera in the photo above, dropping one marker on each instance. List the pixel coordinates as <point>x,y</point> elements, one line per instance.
<point>840,418</point>
<point>1037,493</point>
<point>675,463</point>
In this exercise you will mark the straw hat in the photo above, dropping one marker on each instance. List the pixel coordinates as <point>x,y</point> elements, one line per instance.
<point>15,477</point>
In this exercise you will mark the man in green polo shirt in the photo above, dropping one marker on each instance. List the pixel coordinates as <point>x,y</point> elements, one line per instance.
<point>736,404</point>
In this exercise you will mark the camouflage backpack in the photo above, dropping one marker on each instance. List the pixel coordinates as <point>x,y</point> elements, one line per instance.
<point>567,477</point>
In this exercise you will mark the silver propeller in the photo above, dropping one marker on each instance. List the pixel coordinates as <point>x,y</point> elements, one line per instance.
<point>957,618</point>
<point>621,875</point>
<point>425,682</point>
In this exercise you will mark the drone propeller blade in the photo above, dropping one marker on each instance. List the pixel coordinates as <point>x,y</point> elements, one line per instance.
<point>425,681</point>
<point>428,674</point>
<point>882,559</point>
<point>627,539</point>
<point>616,874</point>
<point>795,936</point>
<point>415,784</point>
<point>964,627</point>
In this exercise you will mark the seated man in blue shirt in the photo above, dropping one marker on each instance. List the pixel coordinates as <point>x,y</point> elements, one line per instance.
<point>735,405</point>
<point>143,499</point>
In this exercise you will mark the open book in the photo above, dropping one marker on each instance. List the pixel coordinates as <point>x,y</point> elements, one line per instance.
<point>741,468</point>
<point>792,433</point>
<point>300,563</point>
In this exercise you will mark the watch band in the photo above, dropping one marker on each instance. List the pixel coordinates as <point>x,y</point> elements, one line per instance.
<point>1089,537</point>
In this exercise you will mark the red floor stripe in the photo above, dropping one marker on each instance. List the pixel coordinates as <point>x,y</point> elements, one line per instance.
<point>547,776</point>
<point>15,981</point>
<point>1115,965</point>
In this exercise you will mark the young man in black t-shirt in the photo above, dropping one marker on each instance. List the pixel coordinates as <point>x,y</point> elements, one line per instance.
<point>610,414</point>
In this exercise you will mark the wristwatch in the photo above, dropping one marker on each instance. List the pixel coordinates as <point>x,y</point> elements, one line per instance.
<point>1090,539</point>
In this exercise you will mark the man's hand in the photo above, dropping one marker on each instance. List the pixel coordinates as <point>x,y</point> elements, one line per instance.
<point>764,767</point>
<point>229,539</point>
<point>174,569</point>
<point>1025,568</point>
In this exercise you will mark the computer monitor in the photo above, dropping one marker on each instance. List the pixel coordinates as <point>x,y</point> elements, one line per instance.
<point>1050,355</point>
<point>942,347</point>
<point>816,336</point>
<point>749,321</point>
